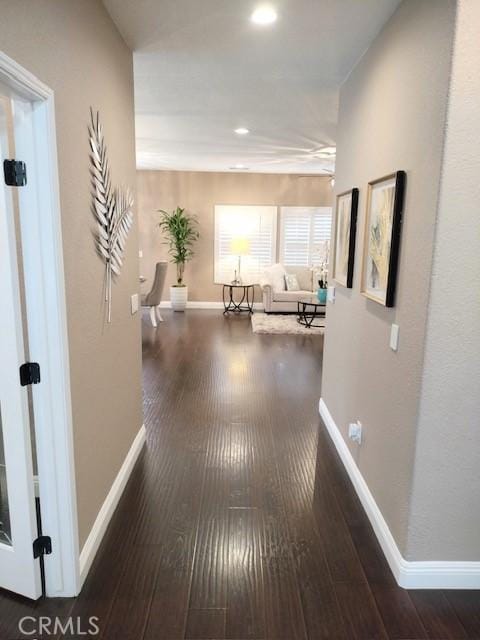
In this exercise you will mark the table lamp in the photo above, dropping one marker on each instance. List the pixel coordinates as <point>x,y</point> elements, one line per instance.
<point>240,246</point>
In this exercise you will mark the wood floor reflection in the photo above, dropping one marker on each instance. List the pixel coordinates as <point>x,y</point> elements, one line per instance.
<point>239,521</point>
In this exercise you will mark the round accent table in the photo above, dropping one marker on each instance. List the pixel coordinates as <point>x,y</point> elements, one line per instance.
<point>247,291</point>
<point>309,310</point>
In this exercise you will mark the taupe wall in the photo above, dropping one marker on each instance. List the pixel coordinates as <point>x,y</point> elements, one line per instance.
<point>445,514</point>
<point>199,192</point>
<point>75,49</point>
<point>392,116</point>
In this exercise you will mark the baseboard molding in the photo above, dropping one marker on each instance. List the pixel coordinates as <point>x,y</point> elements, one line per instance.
<point>166,304</point>
<point>408,574</point>
<point>107,510</point>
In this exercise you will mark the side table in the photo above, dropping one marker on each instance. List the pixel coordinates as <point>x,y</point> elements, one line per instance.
<point>247,292</point>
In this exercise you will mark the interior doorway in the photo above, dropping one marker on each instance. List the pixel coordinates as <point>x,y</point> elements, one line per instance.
<point>19,569</point>
<point>34,331</point>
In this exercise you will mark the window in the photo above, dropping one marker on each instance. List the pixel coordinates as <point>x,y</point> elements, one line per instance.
<point>305,235</point>
<point>250,227</point>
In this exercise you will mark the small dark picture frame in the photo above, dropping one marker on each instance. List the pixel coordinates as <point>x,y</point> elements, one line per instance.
<point>383,224</point>
<point>345,235</point>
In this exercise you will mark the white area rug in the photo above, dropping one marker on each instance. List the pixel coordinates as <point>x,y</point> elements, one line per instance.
<point>269,323</point>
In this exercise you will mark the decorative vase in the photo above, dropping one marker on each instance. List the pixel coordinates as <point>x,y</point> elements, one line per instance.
<point>322,295</point>
<point>178,297</point>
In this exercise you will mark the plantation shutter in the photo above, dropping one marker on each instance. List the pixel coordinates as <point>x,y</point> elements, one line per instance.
<point>305,234</point>
<point>296,236</point>
<point>258,225</point>
<point>322,228</point>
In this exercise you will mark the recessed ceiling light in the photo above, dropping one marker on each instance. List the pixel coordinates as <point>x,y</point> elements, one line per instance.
<point>242,131</point>
<point>240,166</point>
<point>264,14</point>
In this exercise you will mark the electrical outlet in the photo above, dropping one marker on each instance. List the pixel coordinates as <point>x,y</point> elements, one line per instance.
<point>394,337</point>
<point>134,303</point>
<point>355,431</point>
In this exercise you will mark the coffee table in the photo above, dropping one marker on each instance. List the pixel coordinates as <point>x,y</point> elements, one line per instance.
<point>310,309</point>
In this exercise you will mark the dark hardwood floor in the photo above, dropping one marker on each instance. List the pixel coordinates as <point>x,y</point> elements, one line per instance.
<point>239,521</point>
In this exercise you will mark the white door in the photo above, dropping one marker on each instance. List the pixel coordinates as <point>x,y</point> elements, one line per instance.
<point>19,571</point>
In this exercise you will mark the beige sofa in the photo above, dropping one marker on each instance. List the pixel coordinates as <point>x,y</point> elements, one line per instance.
<point>276,299</point>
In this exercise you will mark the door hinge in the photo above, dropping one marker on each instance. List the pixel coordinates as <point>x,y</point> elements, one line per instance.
<point>15,172</point>
<point>42,546</point>
<point>29,373</point>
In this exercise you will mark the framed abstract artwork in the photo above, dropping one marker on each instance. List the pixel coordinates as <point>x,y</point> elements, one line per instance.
<point>345,233</point>
<point>383,222</point>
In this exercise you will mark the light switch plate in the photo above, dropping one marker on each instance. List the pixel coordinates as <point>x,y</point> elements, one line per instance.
<point>394,337</point>
<point>140,253</point>
<point>331,294</point>
<point>134,303</point>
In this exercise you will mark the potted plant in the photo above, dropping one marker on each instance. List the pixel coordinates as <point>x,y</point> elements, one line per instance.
<point>181,231</point>
<point>322,281</point>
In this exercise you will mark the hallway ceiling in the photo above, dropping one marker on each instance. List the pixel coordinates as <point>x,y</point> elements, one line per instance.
<point>203,69</point>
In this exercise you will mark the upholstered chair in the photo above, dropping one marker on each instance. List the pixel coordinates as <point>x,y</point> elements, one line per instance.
<point>153,298</point>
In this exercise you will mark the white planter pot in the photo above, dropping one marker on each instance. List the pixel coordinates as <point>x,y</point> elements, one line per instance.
<point>178,298</point>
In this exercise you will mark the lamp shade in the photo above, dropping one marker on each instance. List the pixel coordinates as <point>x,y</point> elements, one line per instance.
<point>240,246</point>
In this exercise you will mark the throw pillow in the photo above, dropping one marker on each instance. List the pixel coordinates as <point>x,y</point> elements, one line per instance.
<point>292,282</point>
<point>276,277</point>
<point>304,277</point>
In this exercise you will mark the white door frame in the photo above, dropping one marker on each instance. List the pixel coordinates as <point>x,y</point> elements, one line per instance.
<point>47,325</point>
<point>19,571</point>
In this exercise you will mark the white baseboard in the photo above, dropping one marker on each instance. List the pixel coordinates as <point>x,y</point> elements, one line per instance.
<point>166,304</point>
<point>107,510</point>
<point>408,574</point>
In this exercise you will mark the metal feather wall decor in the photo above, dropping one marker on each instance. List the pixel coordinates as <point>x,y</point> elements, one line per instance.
<point>112,209</point>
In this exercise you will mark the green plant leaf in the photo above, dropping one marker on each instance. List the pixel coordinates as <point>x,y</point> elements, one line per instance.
<point>181,233</point>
